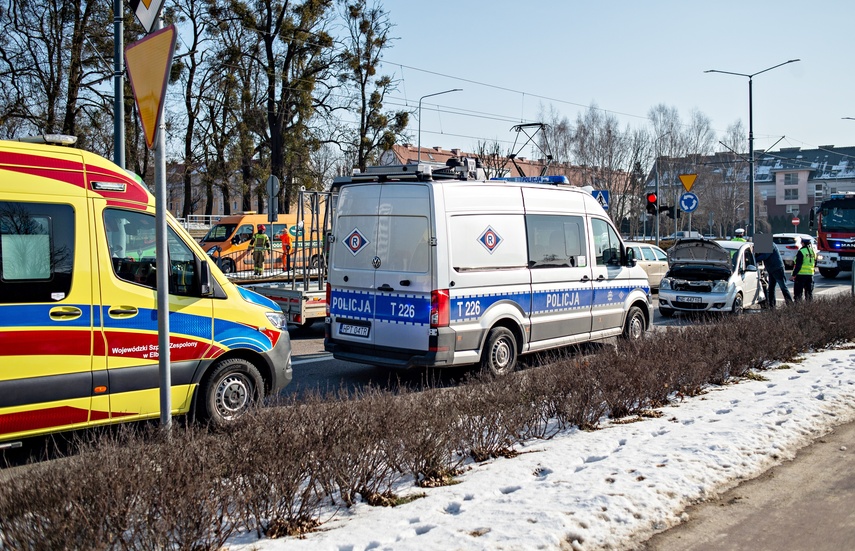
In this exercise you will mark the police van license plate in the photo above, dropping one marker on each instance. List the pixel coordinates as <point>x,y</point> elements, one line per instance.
<point>353,330</point>
<point>689,299</point>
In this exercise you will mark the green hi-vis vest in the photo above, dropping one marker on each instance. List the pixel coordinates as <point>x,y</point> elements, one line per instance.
<point>260,241</point>
<point>808,261</point>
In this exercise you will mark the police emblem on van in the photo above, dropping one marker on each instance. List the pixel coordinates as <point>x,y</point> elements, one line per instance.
<point>490,239</point>
<point>355,241</point>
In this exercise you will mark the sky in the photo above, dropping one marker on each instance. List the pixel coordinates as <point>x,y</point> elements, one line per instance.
<point>514,60</point>
<point>609,488</point>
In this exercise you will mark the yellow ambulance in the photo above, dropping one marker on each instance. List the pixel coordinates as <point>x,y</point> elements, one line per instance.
<point>78,313</point>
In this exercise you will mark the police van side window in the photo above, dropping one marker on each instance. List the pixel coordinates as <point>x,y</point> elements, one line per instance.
<point>556,241</point>
<point>131,240</point>
<point>606,243</point>
<point>36,251</point>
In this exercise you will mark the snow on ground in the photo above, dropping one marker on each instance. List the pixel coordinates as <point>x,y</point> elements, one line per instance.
<point>613,487</point>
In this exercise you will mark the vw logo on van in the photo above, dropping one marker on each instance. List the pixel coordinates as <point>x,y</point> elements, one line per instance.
<point>375,262</point>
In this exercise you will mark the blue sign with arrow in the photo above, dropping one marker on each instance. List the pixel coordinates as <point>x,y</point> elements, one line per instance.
<point>688,202</point>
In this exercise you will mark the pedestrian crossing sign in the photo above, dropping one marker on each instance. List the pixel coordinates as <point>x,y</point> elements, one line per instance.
<point>602,197</point>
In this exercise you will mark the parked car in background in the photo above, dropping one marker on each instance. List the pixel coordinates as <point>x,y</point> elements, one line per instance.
<point>710,276</point>
<point>788,245</point>
<point>683,235</point>
<point>652,259</point>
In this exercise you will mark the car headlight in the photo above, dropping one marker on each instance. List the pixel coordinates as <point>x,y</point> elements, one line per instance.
<point>720,286</point>
<point>277,319</point>
<point>665,284</point>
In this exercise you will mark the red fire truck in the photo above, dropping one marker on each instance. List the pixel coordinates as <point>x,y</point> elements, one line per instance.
<point>836,234</point>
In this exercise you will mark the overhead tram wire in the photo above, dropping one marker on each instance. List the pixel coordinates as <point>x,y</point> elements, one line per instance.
<point>503,88</point>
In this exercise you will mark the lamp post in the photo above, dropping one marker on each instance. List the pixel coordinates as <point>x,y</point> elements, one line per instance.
<point>420,115</point>
<point>750,228</point>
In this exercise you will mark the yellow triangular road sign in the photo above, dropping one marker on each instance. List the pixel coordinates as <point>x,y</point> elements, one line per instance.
<point>688,181</point>
<point>149,61</point>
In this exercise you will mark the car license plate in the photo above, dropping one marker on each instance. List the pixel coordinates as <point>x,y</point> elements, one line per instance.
<point>689,299</point>
<point>847,258</point>
<point>353,330</point>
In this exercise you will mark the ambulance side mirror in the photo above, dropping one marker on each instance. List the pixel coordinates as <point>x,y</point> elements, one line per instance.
<point>206,289</point>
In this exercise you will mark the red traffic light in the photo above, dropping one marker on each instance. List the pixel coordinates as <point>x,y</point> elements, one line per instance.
<point>651,198</point>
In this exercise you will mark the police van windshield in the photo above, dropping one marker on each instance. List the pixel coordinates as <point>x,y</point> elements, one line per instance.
<point>219,233</point>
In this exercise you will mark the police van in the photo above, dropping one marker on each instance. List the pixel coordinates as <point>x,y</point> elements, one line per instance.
<point>440,267</point>
<point>78,312</point>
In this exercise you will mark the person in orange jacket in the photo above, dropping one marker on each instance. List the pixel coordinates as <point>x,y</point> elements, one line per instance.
<point>285,236</point>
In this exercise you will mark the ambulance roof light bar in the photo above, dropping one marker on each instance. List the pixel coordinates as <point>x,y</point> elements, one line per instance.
<point>55,139</point>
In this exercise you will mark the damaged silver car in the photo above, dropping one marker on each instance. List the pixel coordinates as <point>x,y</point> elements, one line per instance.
<point>711,276</point>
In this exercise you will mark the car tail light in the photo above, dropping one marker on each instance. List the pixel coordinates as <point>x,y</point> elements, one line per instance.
<point>328,299</point>
<point>792,247</point>
<point>439,308</point>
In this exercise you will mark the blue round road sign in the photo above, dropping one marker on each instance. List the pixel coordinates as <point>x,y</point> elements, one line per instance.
<point>688,202</point>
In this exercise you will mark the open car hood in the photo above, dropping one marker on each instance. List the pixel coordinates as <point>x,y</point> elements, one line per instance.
<point>689,252</point>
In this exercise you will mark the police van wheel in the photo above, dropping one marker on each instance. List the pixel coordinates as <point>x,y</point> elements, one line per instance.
<point>231,389</point>
<point>634,327</point>
<point>500,352</point>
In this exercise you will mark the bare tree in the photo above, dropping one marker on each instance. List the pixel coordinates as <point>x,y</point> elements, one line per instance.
<point>49,72</point>
<point>369,27</point>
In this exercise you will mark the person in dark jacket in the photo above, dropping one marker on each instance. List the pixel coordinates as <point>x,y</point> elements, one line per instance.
<point>803,270</point>
<point>777,275</point>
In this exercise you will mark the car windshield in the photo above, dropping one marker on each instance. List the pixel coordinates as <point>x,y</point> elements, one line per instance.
<point>219,233</point>
<point>784,240</point>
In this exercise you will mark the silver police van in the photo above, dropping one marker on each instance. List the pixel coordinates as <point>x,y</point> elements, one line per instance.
<point>440,267</point>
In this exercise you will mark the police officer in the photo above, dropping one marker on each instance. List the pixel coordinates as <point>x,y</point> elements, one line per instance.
<point>259,246</point>
<point>738,234</point>
<point>803,270</point>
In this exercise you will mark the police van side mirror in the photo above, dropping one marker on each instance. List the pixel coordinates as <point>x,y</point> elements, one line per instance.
<point>631,261</point>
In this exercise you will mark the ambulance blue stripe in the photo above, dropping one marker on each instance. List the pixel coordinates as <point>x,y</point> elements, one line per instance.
<point>255,298</point>
<point>38,315</point>
<point>146,320</point>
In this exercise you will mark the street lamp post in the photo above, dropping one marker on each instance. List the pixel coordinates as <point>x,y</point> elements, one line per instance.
<point>420,115</point>
<point>750,228</point>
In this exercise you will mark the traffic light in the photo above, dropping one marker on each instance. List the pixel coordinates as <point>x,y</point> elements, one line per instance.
<point>652,205</point>
<point>669,211</point>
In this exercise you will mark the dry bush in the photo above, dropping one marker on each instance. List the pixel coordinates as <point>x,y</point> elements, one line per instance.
<point>362,457</point>
<point>430,434</point>
<point>276,461</point>
<point>493,414</point>
<point>577,399</point>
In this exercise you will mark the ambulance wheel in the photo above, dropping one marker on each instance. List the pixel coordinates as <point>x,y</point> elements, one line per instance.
<point>500,353</point>
<point>635,324</point>
<point>230,390</point>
